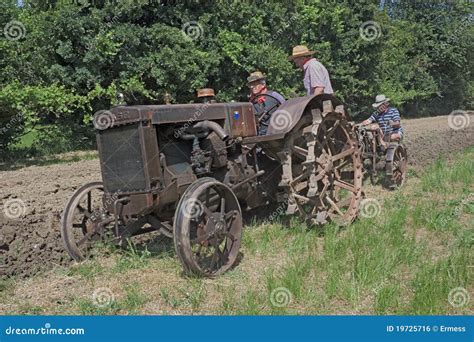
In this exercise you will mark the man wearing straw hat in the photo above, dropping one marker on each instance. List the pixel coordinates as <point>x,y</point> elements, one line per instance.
<point>387,119</point>
<point>316,77</point>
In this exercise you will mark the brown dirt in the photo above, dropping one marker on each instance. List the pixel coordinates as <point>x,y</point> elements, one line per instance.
<point>32,243</point>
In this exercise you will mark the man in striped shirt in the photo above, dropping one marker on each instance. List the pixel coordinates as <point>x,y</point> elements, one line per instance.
<point>387,118</point>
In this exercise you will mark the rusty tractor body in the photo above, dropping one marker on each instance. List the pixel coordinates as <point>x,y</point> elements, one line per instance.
<point>392,159</point>
<point>188,171</point>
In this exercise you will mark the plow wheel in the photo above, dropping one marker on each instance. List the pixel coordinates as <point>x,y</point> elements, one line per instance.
<point>322,169</point>
<point>396,168</point>
<point>207,228</point>
<point>83,221</point>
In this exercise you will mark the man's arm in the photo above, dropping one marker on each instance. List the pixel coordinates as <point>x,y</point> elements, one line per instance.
<point>278,96</point>
<point>317,90</point>
<point>316,78</point>
<point>396,119</point>
<point>370,120</point>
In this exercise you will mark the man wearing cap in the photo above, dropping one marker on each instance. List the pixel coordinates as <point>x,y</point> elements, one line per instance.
<point>387,119</point>
<point>316,77</point>
<point>206,95</point>
<point>258,85</point>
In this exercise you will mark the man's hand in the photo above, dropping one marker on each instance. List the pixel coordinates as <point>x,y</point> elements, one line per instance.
<point>318,90</point>
<point>366,122</point>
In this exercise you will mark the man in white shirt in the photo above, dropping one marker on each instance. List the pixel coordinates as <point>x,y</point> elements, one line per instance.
<point>316,77</point>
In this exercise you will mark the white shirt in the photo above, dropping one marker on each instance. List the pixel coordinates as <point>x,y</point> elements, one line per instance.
<point>316,75</point>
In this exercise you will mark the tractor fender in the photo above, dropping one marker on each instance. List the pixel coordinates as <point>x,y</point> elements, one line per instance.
<point>285,118</point>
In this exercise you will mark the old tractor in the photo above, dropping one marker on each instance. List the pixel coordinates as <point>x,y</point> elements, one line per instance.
<point>382,156</point>
<point>188,171</point>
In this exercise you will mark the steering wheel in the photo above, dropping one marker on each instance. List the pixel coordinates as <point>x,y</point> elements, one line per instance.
<point>259,106</point>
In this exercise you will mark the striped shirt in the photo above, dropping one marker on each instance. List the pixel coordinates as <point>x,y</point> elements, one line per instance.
<point>383,120</point>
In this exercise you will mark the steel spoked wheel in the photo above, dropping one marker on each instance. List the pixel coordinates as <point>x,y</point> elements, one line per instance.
<point>84,220</point>
<point>342,192</point>
<point>326,172</point>
<point>207,228</point>
<point>399,166</point>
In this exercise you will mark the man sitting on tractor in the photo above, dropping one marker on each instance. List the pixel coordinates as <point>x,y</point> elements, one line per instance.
<point>206,95</point>
<point>386,119</point>
<point>265,101</point>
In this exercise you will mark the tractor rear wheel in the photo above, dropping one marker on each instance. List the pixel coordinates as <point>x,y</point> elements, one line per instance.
<point>322,170</point>
<point>396,168</point>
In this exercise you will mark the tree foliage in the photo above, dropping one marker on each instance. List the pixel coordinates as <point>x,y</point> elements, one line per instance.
<point>73,57</point>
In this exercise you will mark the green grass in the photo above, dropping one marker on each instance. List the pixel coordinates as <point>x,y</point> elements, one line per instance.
<point>131,258</point>
<point>18,158</point>
<point>406,260</point>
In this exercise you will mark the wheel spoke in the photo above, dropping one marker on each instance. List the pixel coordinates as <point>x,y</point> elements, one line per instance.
<point>334,206</point>
<point>343,154</point>
<point>84,211</point>
<point>300,152</point>
<point>222,215</point>
<point>85,238</point>
<point>89,201</point>
<point>345,185</point>
<point>207,211</point>
<point>332,129</point>
<point>207,200</point>
<point>341,165</point>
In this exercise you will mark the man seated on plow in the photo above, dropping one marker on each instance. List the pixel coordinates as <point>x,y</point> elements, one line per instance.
<point>386,120</point>
<point>265,101</point>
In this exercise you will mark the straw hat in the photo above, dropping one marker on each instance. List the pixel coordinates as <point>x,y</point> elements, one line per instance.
<point>256,76</point>
<point>205,92</point>
<point>379,100</point>
<point>300,51</point>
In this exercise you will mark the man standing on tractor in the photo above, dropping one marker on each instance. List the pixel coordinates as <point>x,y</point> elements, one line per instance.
<point>265,101</point>
<point>316,77</point>
<point>385,118</point>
